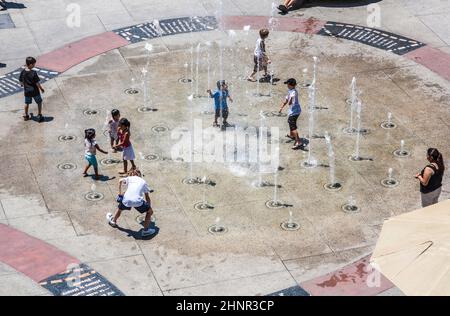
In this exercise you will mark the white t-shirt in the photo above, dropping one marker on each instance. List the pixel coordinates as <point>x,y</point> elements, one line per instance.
<point>89,147</point>
<point>294,108</point>
<point>134,196</point>
<point>258,49</point>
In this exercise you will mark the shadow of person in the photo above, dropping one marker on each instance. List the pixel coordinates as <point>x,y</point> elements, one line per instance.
<point>329,3</point>
<point>137,235</point>
<point>45,119</point>
<point>12,5</point>
<point>103,178</point>
<point>2,65</point>
<point>338,3</point>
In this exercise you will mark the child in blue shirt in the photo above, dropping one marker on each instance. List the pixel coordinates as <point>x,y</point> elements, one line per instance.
<point>220,102</point>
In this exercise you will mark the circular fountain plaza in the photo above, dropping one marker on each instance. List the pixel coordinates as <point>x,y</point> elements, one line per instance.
<point>230,220</point>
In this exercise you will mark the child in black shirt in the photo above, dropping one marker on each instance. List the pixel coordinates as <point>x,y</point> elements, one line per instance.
<point>29,79</point>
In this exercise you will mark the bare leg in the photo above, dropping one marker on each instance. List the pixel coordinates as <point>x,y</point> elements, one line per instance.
<point>133,166</point>
<point>296,136</point>
<point>26,109</point>
<point>117,215</point>
<point>96,173</point>
<point>86,169</point>
<point>125,167</point>
<point>290,3</point>
<point>40,108</point>
<point>148,218</point>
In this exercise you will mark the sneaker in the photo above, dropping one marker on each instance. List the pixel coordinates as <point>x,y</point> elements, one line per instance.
<point>148,232</point>
<point>111,222</point>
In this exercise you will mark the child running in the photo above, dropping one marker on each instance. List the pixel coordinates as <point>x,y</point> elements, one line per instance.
<point>29,79</point>
<point>113,127</point>
<point>294,112</point>
<point>260,57</point>
<point>125,143</point>
<point>90,152</point>
<point>137,188</point>
<point>220,102</point>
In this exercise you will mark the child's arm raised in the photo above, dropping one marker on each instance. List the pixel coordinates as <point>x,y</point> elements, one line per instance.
<point>210,93</point>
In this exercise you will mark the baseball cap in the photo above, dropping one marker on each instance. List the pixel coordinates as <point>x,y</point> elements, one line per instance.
<point>291,81</point>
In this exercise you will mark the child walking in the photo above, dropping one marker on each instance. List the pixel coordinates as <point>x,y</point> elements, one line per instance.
<point>125,143</point>
<point>260,57</point>
<point>29,79</point>
<point>113,129</point>
<point>90,152</point>
<point>294,112</point>
<point>220,102</point>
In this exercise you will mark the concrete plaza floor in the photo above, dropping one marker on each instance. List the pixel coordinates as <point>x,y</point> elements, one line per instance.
<point>255,256</point>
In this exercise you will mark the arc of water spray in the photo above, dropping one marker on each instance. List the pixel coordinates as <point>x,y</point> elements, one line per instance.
<point>312,105</point>
<point>262,119</point>
<point>352,103</point>
<point>144,84</point>
<point>358,135</point>
<point>332,160</point>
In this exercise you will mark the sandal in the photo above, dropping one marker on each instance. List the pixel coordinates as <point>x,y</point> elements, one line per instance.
<point>40,118</point>
<point>26,117</point>
<point>251,79</point>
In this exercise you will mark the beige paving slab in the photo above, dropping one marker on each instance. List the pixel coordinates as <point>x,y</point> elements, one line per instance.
<point>24,206</point>
<point>6,270</point>
<point>204,260</point>
<point>51,34</point>
<point>97,248</point>
<point>22,285</point>
<point>45,227</point>
<point>251,286</point>
<point>139,280</point>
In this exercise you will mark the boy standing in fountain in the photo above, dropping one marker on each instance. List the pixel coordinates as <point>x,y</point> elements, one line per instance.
<point>137,189</point>
<point>260,57</point>
<point>29,79</point>
<point>294,112</point>
<point>220,102</point>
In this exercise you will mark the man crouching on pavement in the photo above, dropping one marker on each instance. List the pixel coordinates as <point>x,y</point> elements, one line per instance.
<point>137,188</point>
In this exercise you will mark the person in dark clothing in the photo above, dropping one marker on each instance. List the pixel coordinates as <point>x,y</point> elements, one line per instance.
<point>30,81</point>
<point>431,178</point>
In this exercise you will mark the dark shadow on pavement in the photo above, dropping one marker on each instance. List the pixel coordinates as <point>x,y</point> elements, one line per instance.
<point>13,5</point>
<point>45,119</point>
<point>338,3</point>
<point>137,234</point>
<point>2,65</point>
<point>103,178</point>
<point>329,4</point>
